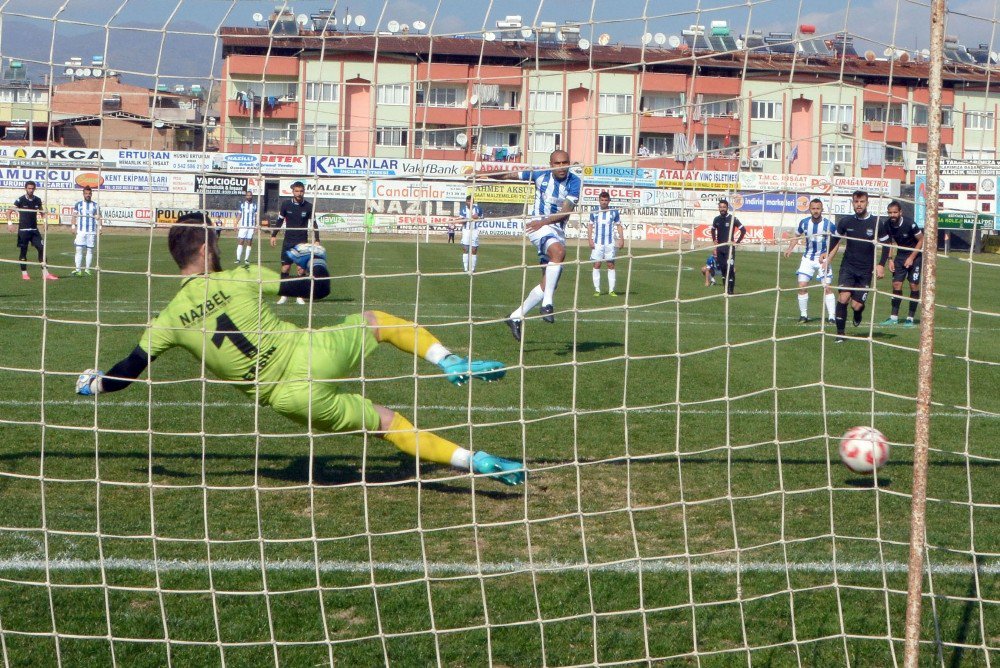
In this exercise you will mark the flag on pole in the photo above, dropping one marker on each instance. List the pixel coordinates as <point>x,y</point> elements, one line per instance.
<point>793,155</point>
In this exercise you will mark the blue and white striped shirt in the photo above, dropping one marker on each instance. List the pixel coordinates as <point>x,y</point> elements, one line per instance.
<point>248,214</point>
<point>604,221</point>
<point>817,234</point>
<point>468,212</point>
<point>86,216</point>
<point>551,193</point>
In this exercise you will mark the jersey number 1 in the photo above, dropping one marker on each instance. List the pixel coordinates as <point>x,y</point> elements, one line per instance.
<point>227,329</point>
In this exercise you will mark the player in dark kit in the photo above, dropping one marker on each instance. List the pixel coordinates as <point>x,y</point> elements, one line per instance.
<point>861,231</point>
<point>725,249</point>
<point>909,241</point>
<point>295,214</point>
<point>28,206</point>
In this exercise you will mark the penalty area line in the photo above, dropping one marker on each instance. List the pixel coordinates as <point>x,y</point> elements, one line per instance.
<point>435,568</point>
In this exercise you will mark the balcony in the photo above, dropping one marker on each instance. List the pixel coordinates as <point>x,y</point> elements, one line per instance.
<point>662,124</point>
<point>491,118</point>
<point>445,116</point>
<point>284,110</point>
<point>279,66</point>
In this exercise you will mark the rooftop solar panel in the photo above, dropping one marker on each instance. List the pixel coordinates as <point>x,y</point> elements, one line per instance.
<point>725,42</point>
<point>698,42</point>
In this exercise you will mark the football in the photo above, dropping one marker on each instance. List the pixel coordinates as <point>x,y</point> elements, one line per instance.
<point>864,449</point>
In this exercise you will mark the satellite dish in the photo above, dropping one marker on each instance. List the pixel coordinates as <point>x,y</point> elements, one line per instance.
<point>112,73</point>
<point>158,124</point>
<point>870,56</point>
<point>560,36</point>
<point>604,39</point>
<point>360,21</point>
<point>489,36</point>
<point>584,44</point>
<point>994,56</point>
<point>925,54</point>
<point>78,71</point>
<point>302,19</point>
<point>474,100</point>
<point>526,33</point>
<point>904,57</point>
<point>419,25</point>
<point>660,38</point>
<point>68,72</point>
<point>257,17</point>
<point>348,20</point>
<point>86,71</point>
<point>674,41</point>
<point>405,29</point>
<point>462,139</point>
<point>97,71</point>
<point>888,52</point>
<point>647,37</point>
<point>393,26</point>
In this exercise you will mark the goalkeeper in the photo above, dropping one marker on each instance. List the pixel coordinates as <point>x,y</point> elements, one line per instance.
<point>219,317</point>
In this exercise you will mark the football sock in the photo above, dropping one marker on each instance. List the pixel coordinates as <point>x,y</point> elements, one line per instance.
<point>597,280</point>
<point>841,317</point>
<point>530,302</point>
<point>409,337</point>
<point>804,305</point>
<point>831,305</point>
<point>78,257</point>
<point>424,445</point>
<point>239,252</point>
<point>90,257</point>
<point>897,299</point>
<point>857,315</point>
<point>472,261</point>
<point>23,256</point>
<point>284,274</point>
<point>915,301</point>
<point>552,271</point>
<point>611,280</point>
<point>465,262</point>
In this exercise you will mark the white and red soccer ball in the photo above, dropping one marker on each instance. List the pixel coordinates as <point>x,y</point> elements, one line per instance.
<point>864,449</point>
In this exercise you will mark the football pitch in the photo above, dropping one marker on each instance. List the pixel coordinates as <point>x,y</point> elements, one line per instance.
<point>685,503</point>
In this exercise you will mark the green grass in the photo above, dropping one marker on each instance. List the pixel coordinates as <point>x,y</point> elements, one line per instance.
<point>670,434</point>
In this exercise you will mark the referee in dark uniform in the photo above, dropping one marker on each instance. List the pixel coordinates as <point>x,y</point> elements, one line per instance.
<point>28,206</point>
<point>861,231</point>
<point>723,227</point>
<point>295,215</point>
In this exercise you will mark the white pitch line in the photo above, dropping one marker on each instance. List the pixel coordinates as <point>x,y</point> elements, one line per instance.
<point>545,410</point>
<point>436,568</point>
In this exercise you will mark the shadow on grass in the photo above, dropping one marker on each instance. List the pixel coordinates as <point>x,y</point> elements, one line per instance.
<point>868,483</point>
<point>587,346</point>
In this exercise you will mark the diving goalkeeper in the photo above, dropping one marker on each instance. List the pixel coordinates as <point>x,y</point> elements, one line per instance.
<point>219,317</point>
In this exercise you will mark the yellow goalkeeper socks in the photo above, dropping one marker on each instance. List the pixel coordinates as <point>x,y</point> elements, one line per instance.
<point>410,337</point>
<point>424,445</point>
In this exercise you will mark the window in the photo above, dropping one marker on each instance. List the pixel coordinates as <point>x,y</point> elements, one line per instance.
<point>714,108</point>
<point>893,154</point>
<point>498,98</point>
<point>662,105</point>
<point>764,110</point>
<point>837,153</point>
<point>283,90</point>
<point>615,104</point>
<point>391,136</point>
<point>394,94</point>
<point>443,138</point>
<point>892,114</point>
<point>498,138</point>
<point>441,97</point>
<point>544,142</point>
<point>614,144</point>
<point>545,100</point>
<point>979,120</point>
<point>983,154</point>
<point>658,144</point>
<point>838,113</point>
<point>316,135</point>
<point>766,151</point>
<point>322,92</point>
<point>920,115</point>
<point>284,134</point>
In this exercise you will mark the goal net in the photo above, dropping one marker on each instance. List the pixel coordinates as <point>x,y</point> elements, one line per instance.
<point>679,423</point>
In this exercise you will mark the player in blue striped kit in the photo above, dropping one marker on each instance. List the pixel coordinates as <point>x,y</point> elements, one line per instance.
<point>606,237</point>
<point>246,226</point>
<point>815,230</point>
<point>470,213</point>
<point>87,224</point>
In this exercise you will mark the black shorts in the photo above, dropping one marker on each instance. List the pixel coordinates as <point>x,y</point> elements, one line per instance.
<point>856,281</point>
<point>26,237</point>
<point>899,272</point>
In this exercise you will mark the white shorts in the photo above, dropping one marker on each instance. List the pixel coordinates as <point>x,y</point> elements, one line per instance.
<point>245,233</point>
<point>810,269</point>
<point>544,237</point>
<point>86,239</point>
<point>604,252</point>
<point>470,237</point>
